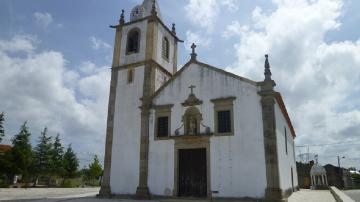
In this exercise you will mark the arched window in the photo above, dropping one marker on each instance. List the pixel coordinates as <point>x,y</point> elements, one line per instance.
<point>133,41</point>
<point>165,48</point>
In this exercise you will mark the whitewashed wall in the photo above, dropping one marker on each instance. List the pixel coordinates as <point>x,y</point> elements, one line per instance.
<point>160,78</point>
<point>167,64</point>
<point>126,136</point>
<point>286,161</point>
<point>136,57</point>
<point>238,162</point>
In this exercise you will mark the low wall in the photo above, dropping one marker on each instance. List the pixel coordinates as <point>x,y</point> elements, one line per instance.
<point>340,196</point>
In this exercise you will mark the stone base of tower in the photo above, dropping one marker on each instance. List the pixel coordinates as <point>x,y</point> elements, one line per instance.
<point>142,193</point>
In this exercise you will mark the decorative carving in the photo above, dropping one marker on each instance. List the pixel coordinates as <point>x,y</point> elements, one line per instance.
<point>192,100</point>
<point>192,119</point>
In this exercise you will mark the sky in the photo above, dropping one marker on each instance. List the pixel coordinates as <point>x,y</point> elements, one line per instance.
<point>55,59</point>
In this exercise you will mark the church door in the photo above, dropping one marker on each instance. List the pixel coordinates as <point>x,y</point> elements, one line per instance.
<point>192,173</point>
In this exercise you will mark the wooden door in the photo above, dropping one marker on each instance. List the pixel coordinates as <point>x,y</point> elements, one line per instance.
<point>192,173</point>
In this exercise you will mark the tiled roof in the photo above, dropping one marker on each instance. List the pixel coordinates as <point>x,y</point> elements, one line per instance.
<point>280,101</point>
<point>4,148</point>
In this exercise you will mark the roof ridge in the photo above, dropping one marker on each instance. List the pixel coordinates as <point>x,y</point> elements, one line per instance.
<point>157,92</point>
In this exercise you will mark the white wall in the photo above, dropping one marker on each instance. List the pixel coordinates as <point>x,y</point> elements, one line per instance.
<point>237,162</point>
<point>161,164</point>
<point>167,64</point>
<point>286,161</point>
<point>126,136</point>
<point>136,57</point>
<point>160,78</point>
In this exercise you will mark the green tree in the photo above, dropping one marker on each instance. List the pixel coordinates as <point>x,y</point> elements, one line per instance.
<point>2,130</point>
<point>21,153</point>
<point>43,154</point>
<point>70,163</point>
<point>95,168</point>
<point>57,157</point>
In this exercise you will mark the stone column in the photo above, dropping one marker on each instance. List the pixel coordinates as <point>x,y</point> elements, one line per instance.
<point>142,191</point>
<point>105,190</point>
<point>273,191</point>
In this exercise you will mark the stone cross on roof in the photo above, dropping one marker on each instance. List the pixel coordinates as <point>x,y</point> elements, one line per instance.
<point>192,88</point>
<point>193,53</point>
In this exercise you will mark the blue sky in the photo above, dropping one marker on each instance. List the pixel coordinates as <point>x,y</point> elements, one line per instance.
<point>55,58</point>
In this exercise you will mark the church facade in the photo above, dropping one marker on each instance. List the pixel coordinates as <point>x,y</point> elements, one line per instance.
<point>194,132</point>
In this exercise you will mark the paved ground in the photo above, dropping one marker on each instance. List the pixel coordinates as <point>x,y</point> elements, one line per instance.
<point>354,194</point>
<point>312,196</point>
<point>88,195</point>
<point>39,193</point>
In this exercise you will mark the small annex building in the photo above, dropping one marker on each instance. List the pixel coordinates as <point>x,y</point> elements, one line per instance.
<point>194,132</point>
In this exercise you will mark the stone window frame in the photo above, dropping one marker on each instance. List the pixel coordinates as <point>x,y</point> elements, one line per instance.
<point>130,33</point>
<point>165,48</point>
<point>162,111</point>
<point>224,104</point>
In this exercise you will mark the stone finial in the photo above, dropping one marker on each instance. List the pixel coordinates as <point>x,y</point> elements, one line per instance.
<point>153,9</point>
<point>173,29</point>
<point>193,53</point>
<point>122,17</point>
<point>267,72</point>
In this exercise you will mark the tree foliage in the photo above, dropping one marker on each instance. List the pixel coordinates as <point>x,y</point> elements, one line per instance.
<point>43,154</point>
<point>70,162</point>
<point>21,153</point>
<point>57,155</point>
<point>95,168</point>
<point>2,130</point>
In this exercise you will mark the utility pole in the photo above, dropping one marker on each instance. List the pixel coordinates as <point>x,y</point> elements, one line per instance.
<point>338,157</point>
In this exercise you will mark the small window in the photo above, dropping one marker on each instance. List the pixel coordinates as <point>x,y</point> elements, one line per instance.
<point>224,121</point>
<point>165,48</point>
<point>286,146</point>
<point>224,116</point>
<point>130,76</point>
<point>133,42</point>
<point>162,126</point>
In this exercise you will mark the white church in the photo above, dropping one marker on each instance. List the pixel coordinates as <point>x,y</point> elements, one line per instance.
<point>193,132</point>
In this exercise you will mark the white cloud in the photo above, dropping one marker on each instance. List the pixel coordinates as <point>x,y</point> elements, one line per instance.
<point>43,19</point>
<point>319,80</point>
<point>20,43</point>
<point>41,88</point>
<point>197,38</point>
<point>231,5</point>
<point>204,13</point>
<point>97,43</point>
<point>234,29</point>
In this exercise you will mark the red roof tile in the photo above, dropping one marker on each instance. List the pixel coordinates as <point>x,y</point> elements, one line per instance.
<point>280,101</point>
<point>4,148</point>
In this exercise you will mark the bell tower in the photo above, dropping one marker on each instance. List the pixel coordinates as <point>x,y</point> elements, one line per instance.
<point>145,57</point>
